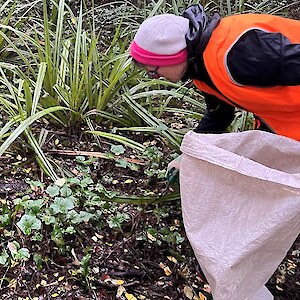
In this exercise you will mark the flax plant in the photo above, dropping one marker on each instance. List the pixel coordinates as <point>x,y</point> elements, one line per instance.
<point>80,76</point>
<point>230,7</point>
<point>22,111</point>
<point>10,6</point>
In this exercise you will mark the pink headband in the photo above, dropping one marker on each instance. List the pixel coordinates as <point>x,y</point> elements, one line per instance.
<point>149,58</point>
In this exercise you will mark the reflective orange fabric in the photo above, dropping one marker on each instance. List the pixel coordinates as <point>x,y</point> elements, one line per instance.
<point>207,89</point>
<point>278,106</point>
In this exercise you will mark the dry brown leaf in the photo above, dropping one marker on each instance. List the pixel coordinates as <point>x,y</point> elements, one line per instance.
<point>130,297</point>
<point>201,296</point>
<point>188,292</point>
<point>121,290</point>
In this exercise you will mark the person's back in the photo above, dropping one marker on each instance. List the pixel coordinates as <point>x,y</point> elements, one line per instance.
<point>254,62</point>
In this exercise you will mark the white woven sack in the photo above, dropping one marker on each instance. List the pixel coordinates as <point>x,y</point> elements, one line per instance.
<point>240,196</point>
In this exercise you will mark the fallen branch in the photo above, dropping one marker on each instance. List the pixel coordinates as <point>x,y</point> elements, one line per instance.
<point>94,154</point>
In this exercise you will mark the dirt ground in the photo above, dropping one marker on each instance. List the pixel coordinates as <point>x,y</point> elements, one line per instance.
<point>133,261</point>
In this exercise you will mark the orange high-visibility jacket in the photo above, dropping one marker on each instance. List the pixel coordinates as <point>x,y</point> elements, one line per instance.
<point>253,62</point>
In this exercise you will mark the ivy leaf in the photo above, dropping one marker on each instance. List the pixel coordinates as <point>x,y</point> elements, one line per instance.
<point>65,191</point>
<point>77,218</point>
<point>151,232</point>
<point>52,190</point>
<point>101,189</point>
<point>70,229</point>
<point>134,167</point>
<point>27,223</point>
<point>3,258</point>
<point>13,247</point>
<point>62,205</point>
<point>35,185</point>
<point>23,254</point>
<point>34,205</point>
<point>177,238</point>
<point>80,159</point>
<point>57,237</point>
<point>74,181</point>
<point>86,181</point>
<point>173,238</point>
<point>4,219</point>
<point>117,149</point>
<point>37,237</point>
<point>16,252</point>
<point>38,259</point>
<point>117,220</point>
<point>48,219</point>
<point>123,163</point>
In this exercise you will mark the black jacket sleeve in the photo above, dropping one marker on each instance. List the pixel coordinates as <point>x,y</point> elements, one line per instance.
<point>217,117</point>
<point>261,58</point>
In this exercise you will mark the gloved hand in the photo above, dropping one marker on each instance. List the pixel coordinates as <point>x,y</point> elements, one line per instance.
<point>173,169</point>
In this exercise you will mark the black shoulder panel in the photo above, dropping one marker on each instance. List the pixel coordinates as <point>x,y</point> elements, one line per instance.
<point>261,58</point>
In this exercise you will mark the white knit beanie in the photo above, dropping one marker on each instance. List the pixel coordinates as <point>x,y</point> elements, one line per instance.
<point>160,40</point>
